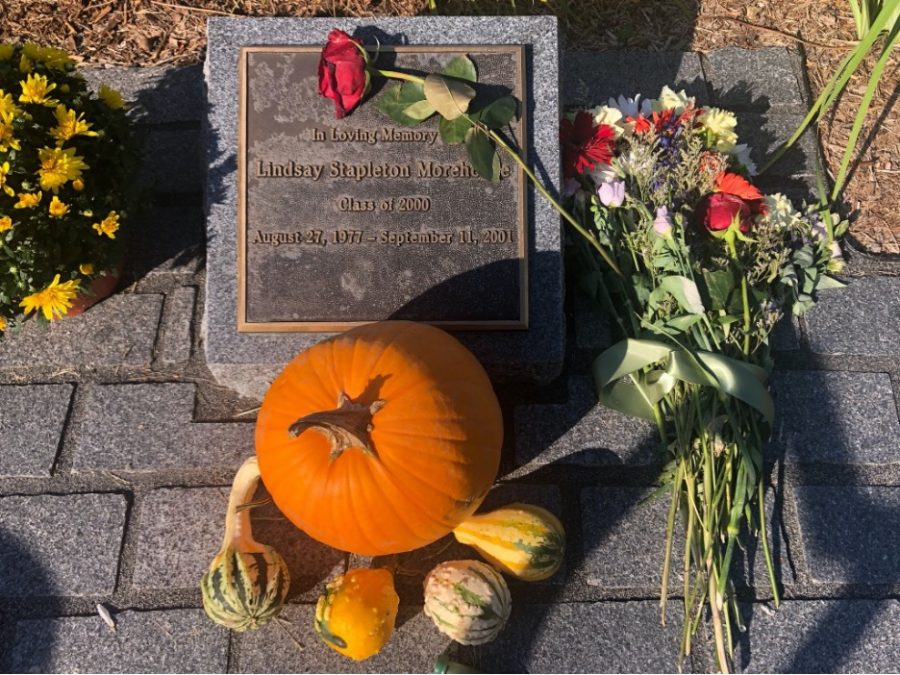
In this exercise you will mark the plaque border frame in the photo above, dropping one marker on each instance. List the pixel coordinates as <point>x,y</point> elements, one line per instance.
<point>244,326</point>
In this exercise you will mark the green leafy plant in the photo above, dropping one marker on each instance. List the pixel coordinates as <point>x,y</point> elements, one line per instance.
<point>66,157</point>
<point>864,11</point>
<point>873,18</point>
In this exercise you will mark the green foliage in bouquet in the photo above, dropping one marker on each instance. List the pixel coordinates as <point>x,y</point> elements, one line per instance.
<point>66,158</point>
<point>708,266</point>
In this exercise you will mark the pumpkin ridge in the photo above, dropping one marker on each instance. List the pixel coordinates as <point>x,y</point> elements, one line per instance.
<point>352,471</point>
<point>407,495</point>
<point>390,493</point>
<point>435,483</point>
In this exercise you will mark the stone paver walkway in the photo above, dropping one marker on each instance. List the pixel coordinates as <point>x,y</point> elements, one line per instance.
<point>117,449</point>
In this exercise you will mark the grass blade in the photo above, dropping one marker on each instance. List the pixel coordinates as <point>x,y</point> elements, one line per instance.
<point>874,79</point>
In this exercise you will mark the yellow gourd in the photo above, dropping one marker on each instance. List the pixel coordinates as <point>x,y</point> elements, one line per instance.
<point>522,540</point>
<point>356,615</point>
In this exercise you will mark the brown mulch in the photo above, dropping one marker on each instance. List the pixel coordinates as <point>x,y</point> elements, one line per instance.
<point>152,32</point>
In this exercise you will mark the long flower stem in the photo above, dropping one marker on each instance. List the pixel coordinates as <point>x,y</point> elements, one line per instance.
<point>494,136</point>
<point>397,75</point>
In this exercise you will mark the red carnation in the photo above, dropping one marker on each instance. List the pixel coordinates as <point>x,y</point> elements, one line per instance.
<point>733,184</point>
<point>585,145</point>
<point>342,72</point>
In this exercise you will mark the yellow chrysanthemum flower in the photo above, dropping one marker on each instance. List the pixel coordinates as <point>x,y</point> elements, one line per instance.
<point>54,301</point>
<point>78,185</point>
<point>111,97</point>
<point>2,323</point>
<point>28,200</point>
<point>35,89</point>
<point>87,269</point>
<point>8,108</point>
<point>31,50</point>
<point>69,124</point>
<point>6,52</point>
<point>51,57</point>
<point>58,208</point>
<point>24,64</point>
<point>108,226</point>
<point>5,223</point>
<point>4,171</point>
<point>7,140</point>
<point>59,165</point>
<point>721,125</point>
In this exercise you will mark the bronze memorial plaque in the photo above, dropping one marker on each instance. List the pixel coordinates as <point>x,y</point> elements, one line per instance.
<point>343,221</point>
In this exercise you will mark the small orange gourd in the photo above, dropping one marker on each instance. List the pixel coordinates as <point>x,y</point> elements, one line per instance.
<point>356,615</point>
<point>380,440</point>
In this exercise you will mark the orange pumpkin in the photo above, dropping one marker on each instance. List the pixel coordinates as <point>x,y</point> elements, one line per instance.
<point>380,440</point>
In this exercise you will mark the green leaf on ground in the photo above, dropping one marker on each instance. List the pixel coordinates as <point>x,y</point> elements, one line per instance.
<point>482,156</point>
<point>397,99</point>
<point>462,68</point>
<point>454,131</point>
<point>450,98</point>
<point>499,113</point>
<point>420,110</point>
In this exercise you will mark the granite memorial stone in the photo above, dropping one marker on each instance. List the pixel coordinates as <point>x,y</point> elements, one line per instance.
<point>316,224</point>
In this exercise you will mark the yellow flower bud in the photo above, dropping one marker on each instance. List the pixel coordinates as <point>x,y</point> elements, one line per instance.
<point>78,185</point>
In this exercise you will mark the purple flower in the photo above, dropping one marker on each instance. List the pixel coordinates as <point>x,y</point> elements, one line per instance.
<point>663,224</point>
<point>570,187</point>
<point>612,194</point>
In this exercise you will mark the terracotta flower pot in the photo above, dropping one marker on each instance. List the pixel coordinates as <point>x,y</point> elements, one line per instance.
<point>101,287</point>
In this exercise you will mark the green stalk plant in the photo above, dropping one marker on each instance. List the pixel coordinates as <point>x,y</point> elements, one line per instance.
<point>873,18</point>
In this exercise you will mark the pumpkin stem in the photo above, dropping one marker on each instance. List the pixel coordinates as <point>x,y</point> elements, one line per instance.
<point>238,531</point>
<point>347,426</point>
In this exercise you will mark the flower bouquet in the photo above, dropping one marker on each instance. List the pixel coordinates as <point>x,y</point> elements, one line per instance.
<point>707,265</point>
<point>65,164</point>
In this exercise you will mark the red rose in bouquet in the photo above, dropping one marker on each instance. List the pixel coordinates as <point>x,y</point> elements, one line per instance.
<point>735,198</point>
<point>342,72</point>
<point>719,210</point>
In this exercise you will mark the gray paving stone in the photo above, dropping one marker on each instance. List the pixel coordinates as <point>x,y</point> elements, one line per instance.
<point>600,637</point>
<point>785,337</point>
<point>413,648</point>
<point>60,545</point>
<point>860,319</point>
<point>166,239</point>
<point>765,133</point>
<point>849,534</point>
<point>120,330</point>
<point>148,427</point>
<point>623,539</point>
<point>590,78</point>
<point>175,340</point>
<point>32,418</point>
<point>156,94</point>
<point>591,327</point>
<point>173,640</point>
<point>821,636</point>
<point>180,532</point>
<point>582,432</point>
<point>835,418</point>
<point>749,560</point>
<point>755,79</point>
<point>172,160</point>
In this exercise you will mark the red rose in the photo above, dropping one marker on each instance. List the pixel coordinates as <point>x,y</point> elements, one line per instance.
<point>342,72</point>
<point>585,145</point>
<point>719,210</point>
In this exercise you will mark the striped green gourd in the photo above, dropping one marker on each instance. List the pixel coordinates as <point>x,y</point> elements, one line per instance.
<point>246,583</point>
<point>523,540</point>
<point>467,600</point>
